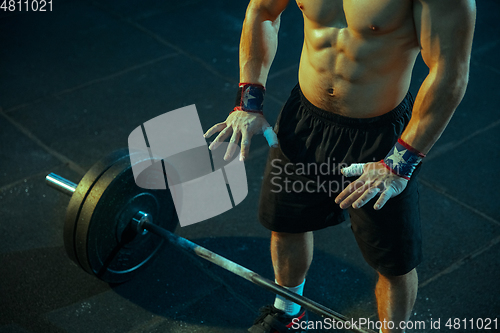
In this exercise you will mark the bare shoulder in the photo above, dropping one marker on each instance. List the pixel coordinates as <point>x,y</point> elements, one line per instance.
<point>465,7</point>
<point>444,13</point>
<point>445,30</point>
<point>272,7</point>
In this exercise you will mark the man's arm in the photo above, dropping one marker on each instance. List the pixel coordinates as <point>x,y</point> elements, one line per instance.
<point>444,29</point>
<point>259,41</point>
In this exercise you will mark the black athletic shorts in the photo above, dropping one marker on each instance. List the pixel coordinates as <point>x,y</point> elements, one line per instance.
<point>302,179</point>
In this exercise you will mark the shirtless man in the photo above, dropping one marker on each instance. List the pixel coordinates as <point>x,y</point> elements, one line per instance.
<point>352,105</point>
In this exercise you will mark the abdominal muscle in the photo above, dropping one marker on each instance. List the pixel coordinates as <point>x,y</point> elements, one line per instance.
<point>356,74</point>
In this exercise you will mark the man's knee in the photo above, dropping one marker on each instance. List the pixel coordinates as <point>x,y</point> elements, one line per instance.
<point>410,277</point>
<point>287,236</point>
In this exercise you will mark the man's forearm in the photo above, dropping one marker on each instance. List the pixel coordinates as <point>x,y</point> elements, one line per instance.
<point>259,41</point>
<point>435,104</point>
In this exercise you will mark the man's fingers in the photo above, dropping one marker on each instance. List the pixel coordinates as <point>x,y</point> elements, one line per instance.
<point>379,183</point>
<point>216,128</point>
<point>270,136</point>
<point>354,196</point>
<point>369,194</point>
<point>245,144</point>
<point>221,137</point>
<point>348,190</point>
<point>355,169</point>
<point>350,194</point>
<point>233,145</point>
<point>384,197</point>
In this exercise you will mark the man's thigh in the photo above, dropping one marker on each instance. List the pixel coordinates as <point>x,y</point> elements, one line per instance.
<point>390,239</point>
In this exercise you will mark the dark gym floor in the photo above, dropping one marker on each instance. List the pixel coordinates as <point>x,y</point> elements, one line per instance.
<point>74,82</point>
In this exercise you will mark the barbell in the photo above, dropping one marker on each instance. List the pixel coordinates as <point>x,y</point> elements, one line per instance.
<point>113,229</point>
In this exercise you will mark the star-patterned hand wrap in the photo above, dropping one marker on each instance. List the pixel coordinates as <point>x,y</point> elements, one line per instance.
<point>402,159</point>
<point>250,98</point>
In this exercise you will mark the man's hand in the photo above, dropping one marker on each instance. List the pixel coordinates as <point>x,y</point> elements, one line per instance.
<point>374,180</point>
<point>241,125</point>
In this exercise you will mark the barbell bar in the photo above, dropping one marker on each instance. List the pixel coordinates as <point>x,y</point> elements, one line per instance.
<point>141,224</point>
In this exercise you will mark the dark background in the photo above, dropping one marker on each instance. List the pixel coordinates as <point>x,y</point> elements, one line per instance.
<point>76,81</point>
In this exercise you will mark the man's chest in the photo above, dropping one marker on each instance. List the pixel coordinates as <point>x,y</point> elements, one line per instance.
<point>359,15</point>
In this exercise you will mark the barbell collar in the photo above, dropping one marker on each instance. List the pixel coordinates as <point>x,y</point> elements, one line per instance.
<point>61,184</point>
<point>138,221</point>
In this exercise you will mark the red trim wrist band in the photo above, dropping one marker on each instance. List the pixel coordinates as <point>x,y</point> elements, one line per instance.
<point>402,159</point>
<point>250,98</point>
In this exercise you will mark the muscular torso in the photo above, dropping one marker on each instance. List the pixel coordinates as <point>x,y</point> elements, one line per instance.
<point>358,54</point>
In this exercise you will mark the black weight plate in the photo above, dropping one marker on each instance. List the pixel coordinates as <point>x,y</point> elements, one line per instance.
<point>79,196</point>
<point>111,203</point>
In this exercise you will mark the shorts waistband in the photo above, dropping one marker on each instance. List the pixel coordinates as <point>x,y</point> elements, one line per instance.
<point>398,112</point>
